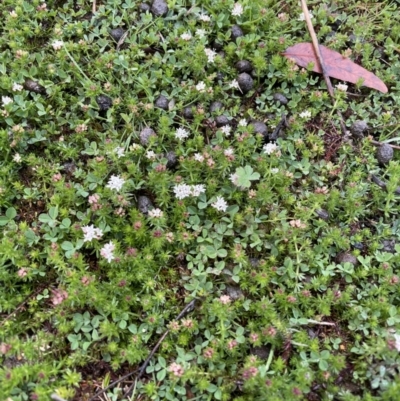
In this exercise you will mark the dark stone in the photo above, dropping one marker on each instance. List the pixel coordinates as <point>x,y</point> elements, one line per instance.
<point>32,86</point>
<point>220,76</point>
<point>236,32</point>
<point>359,128</point>
<point>104,102</point>
<point>388,245</point>
<point>358,245</point>
<point>243,66</point>
<point>159,8</point>
<point>172,160</point>
<point>378,181</point>
<point>221,121</point>
<point>161,102</point>
<point>117,34</point>
<point>384,154</point>
<point>245,82</point>
<point>346,257</point>
<point>187,112</point>
<point>278,97</point>
<point>144,204</point>
<point>260,128</point>
<point>69,167</point>
<point>215,106</point>
<point>234,292</point>
<point>322,213</point>
<point>261,352</point>
<point>143,7</point>
<point>254,262</point>
<point>217,46</point>
<point>145,135</point>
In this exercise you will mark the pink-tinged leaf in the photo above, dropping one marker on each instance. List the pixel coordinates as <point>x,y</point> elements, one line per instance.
<point>336,65</point>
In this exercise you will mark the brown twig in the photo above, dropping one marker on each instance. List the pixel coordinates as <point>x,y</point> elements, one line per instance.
<point>186,310</point>
<point>376,143</point>
<point>22,304</point>
<point>94,7</point>
<point>320,59</point>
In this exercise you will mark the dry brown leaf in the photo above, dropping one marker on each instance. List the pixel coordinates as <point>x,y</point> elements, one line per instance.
<point>336,65</point>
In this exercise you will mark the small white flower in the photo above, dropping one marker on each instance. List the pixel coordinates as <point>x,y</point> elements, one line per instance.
<point>305,114</point>
<point>17,158</point>
<point>17,87</point>
<point>243,123</point>
<point>115,182</point>
<point>198,189</point>
<point>220,204</point>
<point>119,151</point>
<point>226,130</point>
<point>57,44</point>
<point>234,84</point>
<point>274,170</point>
<point>13,14</point>
<point>228,152</point>
<point>198,157</point>
<point>181,133</point>
<point>201,86</point>
<point>341,87</point>
<point>107,251</point>
<point>6,100</point>
<point>201,33</point>
<point>270,148</point>
<point>186,36</point>
<point>182,191</point>
<point>303,18</point>
<point>397,339</point>
<point>151,155</point>
<point>134,146</point>
<point>156,213</point>
<point>210,55</point>
<point>91,232</point>
<point>204,18</point>
<point>237,10</point>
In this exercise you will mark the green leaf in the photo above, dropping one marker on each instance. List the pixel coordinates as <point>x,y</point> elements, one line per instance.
<point>161,374</point>
<point>323,365</point>
<point>11,213</point>
<point>53,212</point>
<point>67,246</point>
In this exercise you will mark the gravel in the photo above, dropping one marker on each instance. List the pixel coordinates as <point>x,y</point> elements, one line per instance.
<point>104,102</point>
<point>245,82</point>
<point>159,8</point>
<point>384,154</point>
<point>145,135</point>
<point>161,103</point>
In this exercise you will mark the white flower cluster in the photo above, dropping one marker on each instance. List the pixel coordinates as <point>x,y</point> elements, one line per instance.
<point>198,157</point>
<point>156,213</point>
<point>17,87</point>
<point>183,191</point>
<point>91,232</point>
<point>226,130</point>
<point>242,123</point>
<point>210,55</point>
<point>186,36</point>
<point>119,151</point>
<point>201,87</point>
<point>201,33</point>
<point>220,204</point>
<point>234,84</point>
<point>341,87</point>
<point>108,251</point>
<point>6,100</point>
<point>303,18</point>
<point>57,44</point>
<point>115,182</point>
<point>305,114</point>
<point>270,148</point>
<point>181,133</point>
<point>237,10</point>
<point>204,18</point>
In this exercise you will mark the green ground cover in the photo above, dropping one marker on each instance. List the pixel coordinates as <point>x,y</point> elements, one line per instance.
<point>165,168</point>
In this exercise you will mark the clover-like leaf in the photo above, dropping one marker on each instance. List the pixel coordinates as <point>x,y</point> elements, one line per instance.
<point>244,176</point>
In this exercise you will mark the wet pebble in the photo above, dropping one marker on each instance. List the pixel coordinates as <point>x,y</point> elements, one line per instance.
<point>245,82</point>
<point>161,102</point>
<point>144,204</point>
<point>279,98</point>
<point>384,154</point>
<point>117,34</point>
<point>145,135</point>
<point>159,8</point>
<point>104,102</point>
<point>244,66</point>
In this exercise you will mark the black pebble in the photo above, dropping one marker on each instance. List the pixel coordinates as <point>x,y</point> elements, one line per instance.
<point>161,102</point>
<point>278,97</point>
<point>322,213</point>
<point>220,76</point>
<point>32,86</point>
<point>260,128</point>
<point>187,112</point>
<point>358,128</point>
<point>159,8</point>
<point>144,7</point>
<point>215,106</point>
<point>236,32</point>
<point>104,102</point>
<point>384,154</point>
<point>171,159</point>
<point>221,121</point>
<point>145,135</point>
<point>144,204</point>
<point>245,82</point>
<point>217,46</point>
<point>117,34</point>
<point>244,66</point>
